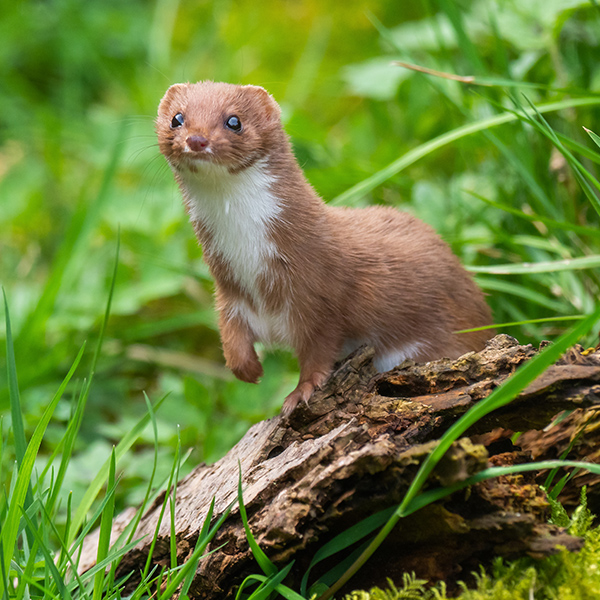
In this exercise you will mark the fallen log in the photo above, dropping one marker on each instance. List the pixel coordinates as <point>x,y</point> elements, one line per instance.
<point>355,449</point>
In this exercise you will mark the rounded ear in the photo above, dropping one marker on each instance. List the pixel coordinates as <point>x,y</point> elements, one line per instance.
<point>272,110</point>
<point>174,90</point>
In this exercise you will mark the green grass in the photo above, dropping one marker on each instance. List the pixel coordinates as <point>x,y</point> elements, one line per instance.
<point>504,167</point>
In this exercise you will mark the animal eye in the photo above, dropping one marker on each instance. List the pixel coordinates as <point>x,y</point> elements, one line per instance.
<point>177,121</point>
<point>233,123</point>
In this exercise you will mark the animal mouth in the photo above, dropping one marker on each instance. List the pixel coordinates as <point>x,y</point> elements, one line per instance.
<point>198,162</point>
<point>193,158</point>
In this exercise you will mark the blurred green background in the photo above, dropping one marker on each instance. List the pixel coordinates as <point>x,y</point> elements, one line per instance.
<point>79,168</point>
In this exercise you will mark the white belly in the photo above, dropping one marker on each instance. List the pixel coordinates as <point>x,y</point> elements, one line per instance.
<point>385,360</point>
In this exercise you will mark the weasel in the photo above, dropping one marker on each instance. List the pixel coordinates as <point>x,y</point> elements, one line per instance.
<point>293,271</point>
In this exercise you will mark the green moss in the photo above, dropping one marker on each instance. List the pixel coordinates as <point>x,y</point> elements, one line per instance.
<point>412,589</point>
<point>565,575</point>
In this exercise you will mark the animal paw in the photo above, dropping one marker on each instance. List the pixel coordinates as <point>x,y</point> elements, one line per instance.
<point>304,390</point>
<point>302,393</point>
<point>250,371</point>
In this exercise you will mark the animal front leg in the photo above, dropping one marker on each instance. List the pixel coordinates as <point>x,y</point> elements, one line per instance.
<point>316,363</point>
<point>238,348</point>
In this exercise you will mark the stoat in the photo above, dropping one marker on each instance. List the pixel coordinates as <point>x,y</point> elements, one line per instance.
<point>289,269</point>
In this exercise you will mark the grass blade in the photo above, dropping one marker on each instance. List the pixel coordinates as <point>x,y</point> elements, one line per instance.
<point>550,266</point>
<point>106,311</point>
<point>201,540</point>
<point>345,539</point>
<point>486,81</point>
<point>468,49</point>
<point>189,568</point>
<point>351,196</point>
<point>13,389</point>
<point>426,498</point>
<point>261,558</point>
<point>67,443</point>
<point>127,441</point>
<point>57,579</point>
<point>173,504</point>
<point>15,407</point>
<point>330,577</point>
<point>521,291</point>
<point>22,485</point>
<point>105,527</point>
<point>560,225</point>
<point>65,556</point>
<point>283,590</point>
<point>591,155</point>
<point>526,322</point>
<point>100,567</point>
<point>94,488</point>
<point>22,480</point>
<point>247,582</point>
<point>271,583</point>
<point>288,593</point>
<point>162,509</point>
<point>142,507</point>
<point>584,177</point>
<point>594,136</point>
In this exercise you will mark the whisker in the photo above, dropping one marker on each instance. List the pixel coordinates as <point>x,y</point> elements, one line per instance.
<point>157,174</point>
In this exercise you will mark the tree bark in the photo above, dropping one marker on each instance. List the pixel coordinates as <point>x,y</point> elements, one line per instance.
<point>355,449</point>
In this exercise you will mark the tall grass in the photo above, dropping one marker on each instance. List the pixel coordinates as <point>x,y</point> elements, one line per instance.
<point>76,167</point>
<point>41,543</point>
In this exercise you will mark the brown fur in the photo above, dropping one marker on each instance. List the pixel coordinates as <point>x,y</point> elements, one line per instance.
<point>372,274</point>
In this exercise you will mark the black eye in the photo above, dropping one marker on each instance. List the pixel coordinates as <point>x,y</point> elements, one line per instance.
<point>233,123</point>
<point>177,121</point>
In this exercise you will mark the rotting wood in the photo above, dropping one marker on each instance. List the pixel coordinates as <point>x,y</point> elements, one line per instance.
<point>355,449</point>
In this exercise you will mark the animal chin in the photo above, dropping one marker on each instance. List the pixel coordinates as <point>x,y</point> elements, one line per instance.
<point>195,159</point>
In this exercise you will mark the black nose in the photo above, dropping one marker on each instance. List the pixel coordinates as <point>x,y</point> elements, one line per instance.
<point>197,143</point>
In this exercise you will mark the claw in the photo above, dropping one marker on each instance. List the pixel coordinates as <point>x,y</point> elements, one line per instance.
<point>304,390</point>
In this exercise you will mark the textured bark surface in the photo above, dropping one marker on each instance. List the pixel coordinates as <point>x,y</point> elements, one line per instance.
<point>355,450</point>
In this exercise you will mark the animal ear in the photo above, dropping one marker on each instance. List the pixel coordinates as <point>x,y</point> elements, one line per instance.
<point>270,106</point>
<point>174,91</point>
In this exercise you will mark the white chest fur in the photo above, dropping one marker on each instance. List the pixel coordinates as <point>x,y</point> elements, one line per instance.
<point>238,211</point>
